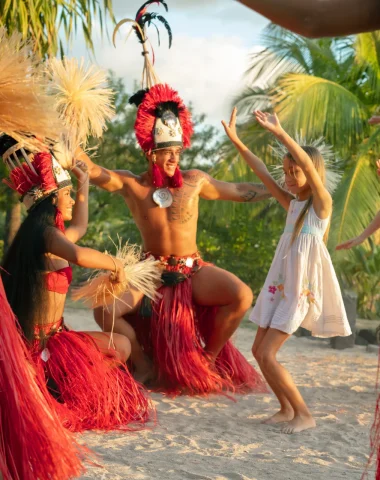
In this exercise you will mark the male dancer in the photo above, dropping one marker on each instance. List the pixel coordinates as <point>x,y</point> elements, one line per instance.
<point>180,325</point>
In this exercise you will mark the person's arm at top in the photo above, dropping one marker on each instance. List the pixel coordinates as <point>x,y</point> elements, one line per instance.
<point>320,18</point>
<point>109,180</point>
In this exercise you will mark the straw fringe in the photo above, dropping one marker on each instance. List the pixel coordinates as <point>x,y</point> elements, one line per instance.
<point>143,276</point>
<point>83,101</point>
<point>26,110</point>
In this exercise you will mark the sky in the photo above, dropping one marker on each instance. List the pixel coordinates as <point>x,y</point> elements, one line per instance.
<point>212,40</point>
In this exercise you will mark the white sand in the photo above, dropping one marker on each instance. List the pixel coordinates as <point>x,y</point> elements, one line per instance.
<point>217,439</point>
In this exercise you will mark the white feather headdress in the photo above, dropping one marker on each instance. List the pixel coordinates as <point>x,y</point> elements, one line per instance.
<point>83,101</point>
<point>333,172</point>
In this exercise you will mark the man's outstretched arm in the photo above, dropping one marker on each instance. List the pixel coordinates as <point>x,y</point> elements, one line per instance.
<point>212,189</point>
<point>320,18</point>
<point>109,180</point>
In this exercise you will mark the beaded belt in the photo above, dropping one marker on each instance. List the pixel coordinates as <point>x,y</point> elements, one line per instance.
<point>46,330</point>
<point>175,263</point>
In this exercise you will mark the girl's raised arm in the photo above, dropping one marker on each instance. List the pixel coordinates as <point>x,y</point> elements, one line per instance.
<point>322,201</point>
<point>257,165</point>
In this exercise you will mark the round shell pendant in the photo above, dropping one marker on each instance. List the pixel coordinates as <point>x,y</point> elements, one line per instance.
<point>162,197</point>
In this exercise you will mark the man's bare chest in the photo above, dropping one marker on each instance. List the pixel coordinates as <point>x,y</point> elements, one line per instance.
<point>184,207</point>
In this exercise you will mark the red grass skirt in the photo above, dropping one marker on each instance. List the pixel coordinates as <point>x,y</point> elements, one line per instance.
<point>375,434</point>
<point>174,337</point>
<point>33,443</point>
<point>88,393</point>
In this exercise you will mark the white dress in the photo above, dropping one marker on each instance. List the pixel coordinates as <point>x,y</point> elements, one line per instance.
<point>301,288</point>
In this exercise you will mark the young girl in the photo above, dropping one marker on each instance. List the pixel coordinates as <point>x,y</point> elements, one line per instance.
<point>301,288</point>
<point>86,391</point>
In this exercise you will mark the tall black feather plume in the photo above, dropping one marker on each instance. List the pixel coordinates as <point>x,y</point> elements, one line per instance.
<point>144,18</point>
<point>149,2</point>
<point>138,97</point>
<point>167,26</point>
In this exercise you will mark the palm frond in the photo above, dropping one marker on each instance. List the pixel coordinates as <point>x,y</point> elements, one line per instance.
<point>356,200</point>
<point>317,107</point>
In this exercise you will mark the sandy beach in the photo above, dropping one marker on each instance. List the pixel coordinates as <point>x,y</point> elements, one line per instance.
<point>217,439</point>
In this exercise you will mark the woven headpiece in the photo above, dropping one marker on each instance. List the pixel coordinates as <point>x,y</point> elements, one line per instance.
<point>34,178</point>
<point>162,118</point>
<point>333,173</point>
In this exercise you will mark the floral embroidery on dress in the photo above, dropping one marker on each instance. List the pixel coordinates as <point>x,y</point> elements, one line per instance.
<point>277,286</point>
<point>307,291</point>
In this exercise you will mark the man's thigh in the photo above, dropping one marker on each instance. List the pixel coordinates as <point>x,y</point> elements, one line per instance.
<point>215,286</point>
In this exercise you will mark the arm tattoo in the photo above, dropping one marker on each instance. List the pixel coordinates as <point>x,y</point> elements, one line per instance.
<point>251,191</point>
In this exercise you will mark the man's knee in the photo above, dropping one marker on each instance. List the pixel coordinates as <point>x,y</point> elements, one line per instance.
<point>123,348</point>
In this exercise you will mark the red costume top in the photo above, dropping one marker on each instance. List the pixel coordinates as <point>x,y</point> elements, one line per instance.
<point>59,281</point>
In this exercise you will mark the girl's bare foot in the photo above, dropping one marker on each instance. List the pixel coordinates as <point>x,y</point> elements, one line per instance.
<point>299,423</point>
<point>279,417</point>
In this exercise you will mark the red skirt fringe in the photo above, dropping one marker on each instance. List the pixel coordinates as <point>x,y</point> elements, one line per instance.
<point>174,338</point>
<point>375,434</point>
<point>33,442</point>
<point>89,390</point>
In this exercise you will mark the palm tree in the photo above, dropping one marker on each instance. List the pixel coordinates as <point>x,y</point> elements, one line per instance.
<point>327,87</point>
<point>43,20</point>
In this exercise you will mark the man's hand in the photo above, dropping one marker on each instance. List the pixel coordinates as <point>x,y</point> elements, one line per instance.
<point>230,129</point>
<point>269,121</point>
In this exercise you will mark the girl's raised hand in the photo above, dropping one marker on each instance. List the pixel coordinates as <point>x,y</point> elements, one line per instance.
<point>268,121</point>
<point>230,129</point>
<point>378,167</point>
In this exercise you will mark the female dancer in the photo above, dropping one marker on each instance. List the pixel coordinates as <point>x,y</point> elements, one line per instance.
<point>87,393</point>
<point>301,287</point>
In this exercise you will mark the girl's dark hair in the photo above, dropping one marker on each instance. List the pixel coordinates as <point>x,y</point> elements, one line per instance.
<point>24,265</point>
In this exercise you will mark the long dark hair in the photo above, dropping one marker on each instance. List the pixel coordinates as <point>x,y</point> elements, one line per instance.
<point>24,265</point>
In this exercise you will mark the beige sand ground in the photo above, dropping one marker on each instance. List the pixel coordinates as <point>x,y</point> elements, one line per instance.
<point>217,439</point>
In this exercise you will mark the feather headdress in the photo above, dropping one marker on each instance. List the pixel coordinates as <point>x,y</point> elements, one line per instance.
<point>333,172</point>
<point>143,20</point>
<point>162,117</point>
<point>83,101</point>
<point>26,111</point>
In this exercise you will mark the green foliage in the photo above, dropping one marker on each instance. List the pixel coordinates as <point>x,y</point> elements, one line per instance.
<point>42,20</point>
<point>361,271</point>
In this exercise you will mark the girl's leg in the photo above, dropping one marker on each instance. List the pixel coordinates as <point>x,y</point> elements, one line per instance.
<point>282,380</point>
<point>286,412</point>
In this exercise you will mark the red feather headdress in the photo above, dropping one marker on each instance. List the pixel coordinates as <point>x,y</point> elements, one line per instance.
<point>33,179</point>
<point>162,118</point>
